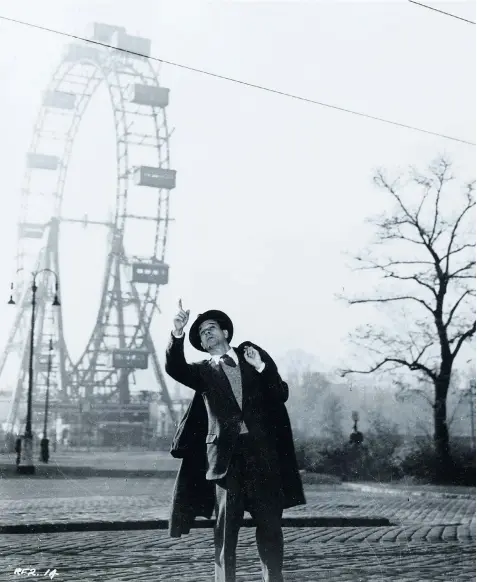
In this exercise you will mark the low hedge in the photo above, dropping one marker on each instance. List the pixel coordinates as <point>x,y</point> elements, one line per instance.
<point>384,460</point>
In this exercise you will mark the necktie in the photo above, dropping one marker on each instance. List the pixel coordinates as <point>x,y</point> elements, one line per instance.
<point>226,359</point>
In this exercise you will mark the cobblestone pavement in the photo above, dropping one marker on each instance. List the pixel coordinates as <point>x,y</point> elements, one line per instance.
<point>96,499</point>
<point>309,556</point>
<point>432,539</point>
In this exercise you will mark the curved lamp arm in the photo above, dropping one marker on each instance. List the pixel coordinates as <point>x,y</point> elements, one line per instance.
<point>56,301</point>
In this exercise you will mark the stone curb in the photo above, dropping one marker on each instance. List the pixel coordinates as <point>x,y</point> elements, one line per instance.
<point>59,527</point>
<point>407,492</point>
<point>59,472</point>
<point>54,471</point>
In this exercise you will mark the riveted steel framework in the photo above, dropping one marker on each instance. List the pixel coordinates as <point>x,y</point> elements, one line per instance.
<point>127,307</point>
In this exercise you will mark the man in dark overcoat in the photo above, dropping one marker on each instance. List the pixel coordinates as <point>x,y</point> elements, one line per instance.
<point>249,462</point>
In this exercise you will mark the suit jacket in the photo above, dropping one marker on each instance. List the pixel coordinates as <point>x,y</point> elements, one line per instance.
<point>261,392</point>
<point>206,436</point>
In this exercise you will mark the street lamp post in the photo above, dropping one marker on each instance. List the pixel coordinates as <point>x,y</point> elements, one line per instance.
<point>28,468</point>
<point>356,437</point>
<point>44,445</point>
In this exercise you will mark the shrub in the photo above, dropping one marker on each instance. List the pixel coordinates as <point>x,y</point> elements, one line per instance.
<point>421,462</point>
<point>374,460</point>
<point>384,457</point>
<point>308,453</point>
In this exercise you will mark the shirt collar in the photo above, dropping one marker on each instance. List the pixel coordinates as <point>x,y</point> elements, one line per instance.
<point>232,353</point>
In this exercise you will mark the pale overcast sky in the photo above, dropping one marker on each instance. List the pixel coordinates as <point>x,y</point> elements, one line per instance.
<point>270,191</point>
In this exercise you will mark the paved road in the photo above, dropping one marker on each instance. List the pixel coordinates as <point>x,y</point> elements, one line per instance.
<point>97,499</point>
<point>431,539</point>
<point>80,463</point>
<point>131,460</point>
<point>310,556</point>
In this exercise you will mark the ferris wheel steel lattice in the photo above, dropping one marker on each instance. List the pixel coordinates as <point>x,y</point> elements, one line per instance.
<point>120,342</point>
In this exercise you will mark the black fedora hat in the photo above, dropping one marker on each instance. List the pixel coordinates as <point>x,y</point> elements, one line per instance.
<point>215,315</point>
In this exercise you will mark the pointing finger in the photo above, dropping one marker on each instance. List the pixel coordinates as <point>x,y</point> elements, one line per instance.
<point>180,304</point>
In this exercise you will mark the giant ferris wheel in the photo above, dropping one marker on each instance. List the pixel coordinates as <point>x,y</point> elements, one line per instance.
<point>120,342</point>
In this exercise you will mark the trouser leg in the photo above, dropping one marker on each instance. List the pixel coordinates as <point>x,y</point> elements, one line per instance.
<point>229,511</point>
<point>269,538</point>
<point>264,500</point>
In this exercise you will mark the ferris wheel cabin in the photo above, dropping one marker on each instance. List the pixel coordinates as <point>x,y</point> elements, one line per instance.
<point>31,230</point>
<point>59,100</point>
<point>155,177</point>
<point>42,161</point>
<point>150,273</point>
<point>130,359</point>
<point>148,95</point>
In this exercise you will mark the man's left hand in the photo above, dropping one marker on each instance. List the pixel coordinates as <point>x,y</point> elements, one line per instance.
<point>252,357</point>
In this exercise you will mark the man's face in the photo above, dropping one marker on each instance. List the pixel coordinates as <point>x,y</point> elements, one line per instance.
<point>211,335</point>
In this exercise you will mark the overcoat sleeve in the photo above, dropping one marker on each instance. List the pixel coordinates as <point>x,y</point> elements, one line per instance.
<point>178,368</point>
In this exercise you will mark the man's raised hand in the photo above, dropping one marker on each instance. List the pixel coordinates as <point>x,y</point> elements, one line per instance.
<point>180,320</point>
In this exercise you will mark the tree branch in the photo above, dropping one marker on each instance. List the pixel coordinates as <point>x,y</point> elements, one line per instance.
<point>389,299</point>
<point>458,249</point>
<point>470,204</point>
<point>465,336</point>
<point>413,366</point>
<point>428,240</point>
<point>396,263</point>
<point>389,274</point>
<point>469,265</point>
<point>413,278</point>
<point>441,177</point>
<point>406,394</point>
<point>399,236</point>
<point>423,350</point>
<point>456,305</point>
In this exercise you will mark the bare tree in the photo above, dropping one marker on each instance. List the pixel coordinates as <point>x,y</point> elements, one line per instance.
<point>426,259</point>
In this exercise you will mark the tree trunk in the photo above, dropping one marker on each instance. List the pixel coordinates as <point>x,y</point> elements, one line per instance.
<point>441,435</point>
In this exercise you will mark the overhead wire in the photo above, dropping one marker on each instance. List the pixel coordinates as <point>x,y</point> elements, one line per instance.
<point>241,82</point>
<point>441,11</point>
